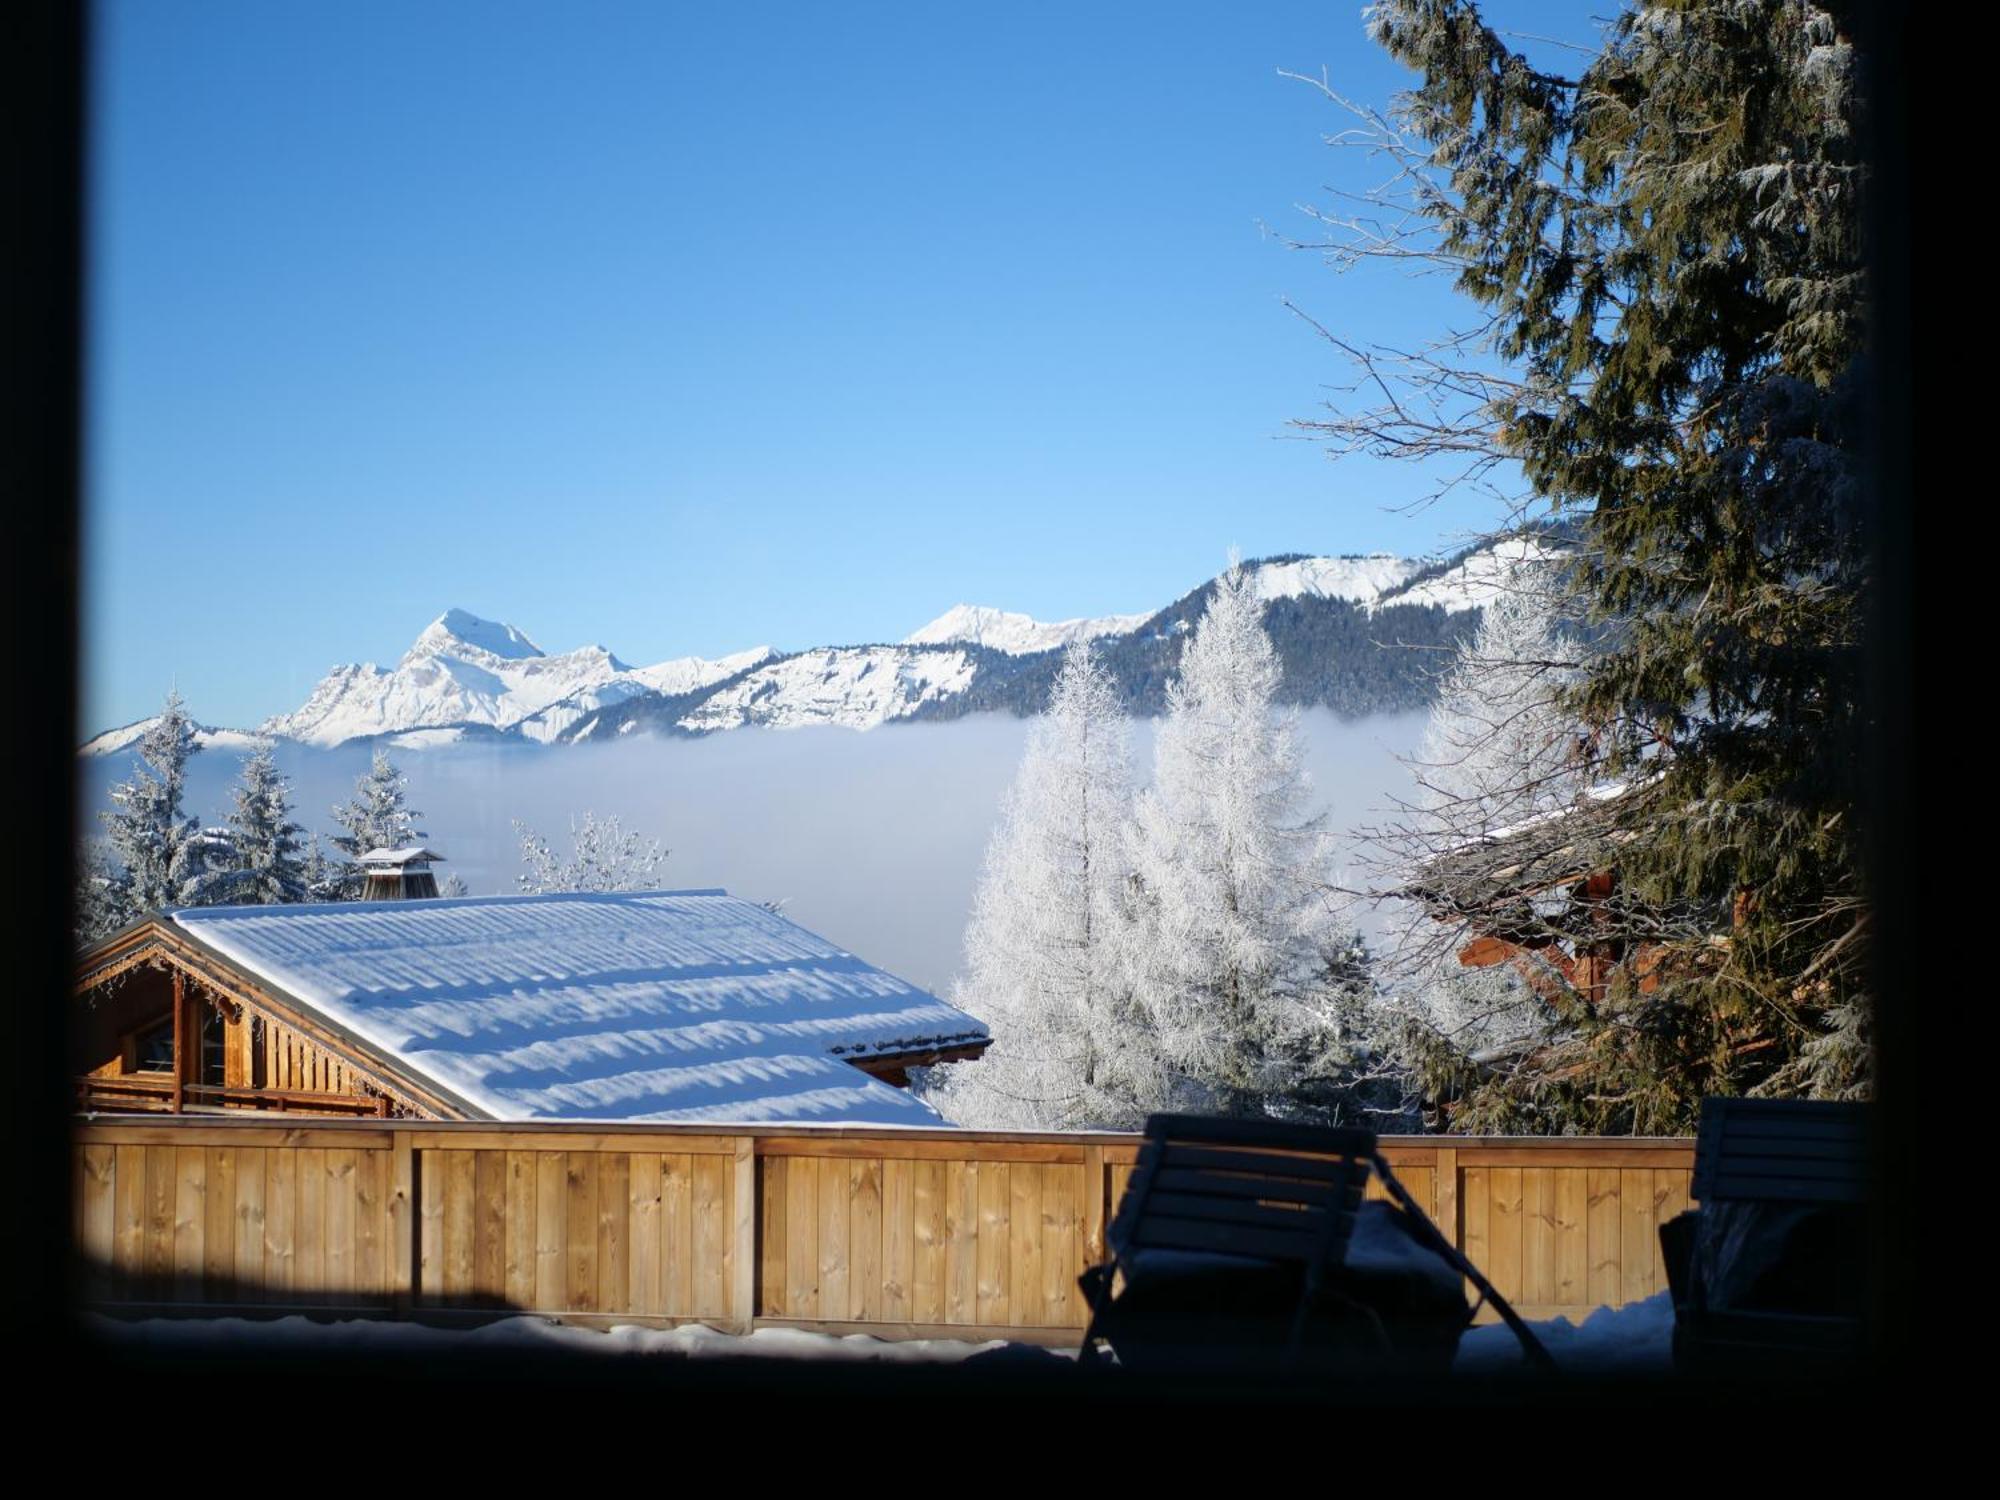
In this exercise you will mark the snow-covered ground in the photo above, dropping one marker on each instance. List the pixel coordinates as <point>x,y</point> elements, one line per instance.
<point>1634,1340</point>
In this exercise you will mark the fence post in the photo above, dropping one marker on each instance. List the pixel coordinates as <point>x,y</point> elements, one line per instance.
<point>743,1238</point>
<point>1093,1205</point>
<point>402,1222</point>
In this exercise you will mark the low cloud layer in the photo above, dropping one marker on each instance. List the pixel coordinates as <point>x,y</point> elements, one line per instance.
<point>873,839</point>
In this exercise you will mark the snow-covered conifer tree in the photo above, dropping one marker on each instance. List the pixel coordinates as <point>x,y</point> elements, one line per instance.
<point>602,857</point>
<point>162,853</point>
<point>378,817</point>
<point>102,902</point>
<point>1237,954</point>
<point>1043,950</point>
<point>269,866</point>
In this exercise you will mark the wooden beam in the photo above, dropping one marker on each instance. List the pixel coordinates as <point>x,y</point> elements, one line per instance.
<point>743,1250</point>
<point>180,1041</point>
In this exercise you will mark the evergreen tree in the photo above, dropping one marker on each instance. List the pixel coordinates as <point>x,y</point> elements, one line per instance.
<point>162,853</point>
<point>1044,960</point>
<point>1667,251</point>
<point>268,858</point>
<point>378,817</point>
<point>103,901</point>
<point>1235,953</point>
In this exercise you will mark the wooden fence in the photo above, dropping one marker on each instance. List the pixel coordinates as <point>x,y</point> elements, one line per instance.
<point>903,1233</point>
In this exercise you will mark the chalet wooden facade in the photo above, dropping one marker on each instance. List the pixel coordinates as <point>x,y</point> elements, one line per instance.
<point>166,1025</point>
<point>663,1006</point>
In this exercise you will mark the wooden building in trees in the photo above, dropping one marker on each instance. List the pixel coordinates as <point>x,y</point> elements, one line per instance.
<point>667,1005</point>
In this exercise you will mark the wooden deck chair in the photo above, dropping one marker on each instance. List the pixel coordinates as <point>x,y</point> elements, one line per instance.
<point>1269,1198</point>
<point>1768,1268</point>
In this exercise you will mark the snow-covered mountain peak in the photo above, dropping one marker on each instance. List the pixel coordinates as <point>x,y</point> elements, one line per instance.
<point>1016,634</point>
<point>457,629</point>
<point>1359,580</point>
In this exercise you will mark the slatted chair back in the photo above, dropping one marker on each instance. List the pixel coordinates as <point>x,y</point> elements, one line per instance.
<point>1275,1192</point>
<point>1780,1150</point>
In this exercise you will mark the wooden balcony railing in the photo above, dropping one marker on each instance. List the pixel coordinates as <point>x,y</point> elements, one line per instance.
<point>156,1093</point>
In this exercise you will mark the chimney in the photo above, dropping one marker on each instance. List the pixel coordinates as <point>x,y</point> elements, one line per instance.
<point>399,874</point>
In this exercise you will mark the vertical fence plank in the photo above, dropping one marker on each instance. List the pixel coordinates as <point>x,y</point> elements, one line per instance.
<point>551,1223</point>
<point>580,1230</point>
<point>371,1222</point>
<point>97,1216</point>
<point>523,1219</point>
<point>338,1248</point>
<point>961,1230</point>
<point>190,1220</point>
<point>645,1234</point>
<point>489,1228</point>
<point>929,1237</point>
<point>1062,1245</point>
<point>1635,1234</point>
<point>710,1196</point>
<point>802,1238</point>
<point>771,1297</point>
<point>1603,1234</point>
<point>130,1254</point>
<point>399,1218</point>
<point>1024,1243</point>
<point>741,1265</point>
<point>994,1191</point>
<point>1538,1237</point>
<point>281,1213</point>
<point>864,1229</point>
<point>251,1284</point>
<point>899,1239</point>
<point>1670,1200</point>
<point>1476,1207</point>
<point>461,1225</point>
<point>1096,1189</point>
<point>836,1190</point>
<point>430,1257</point>
<point>614,1207</point>
<point>1572,1264</point>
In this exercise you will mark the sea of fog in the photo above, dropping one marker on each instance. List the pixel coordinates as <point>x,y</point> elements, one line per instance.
<point>872,839</point>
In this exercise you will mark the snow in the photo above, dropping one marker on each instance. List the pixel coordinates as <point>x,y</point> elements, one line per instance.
<point>854,687</point>
<point>1359,580</point>
<point>464,670</point>
<point>688,1341</point>
<point>1637,1338</point>
<point>668,1005</point>
<point>123,738</point>
<point>1016,634</point>
<point>1478,579</point>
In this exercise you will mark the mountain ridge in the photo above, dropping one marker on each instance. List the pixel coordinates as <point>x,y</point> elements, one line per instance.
<point>1336,620</point>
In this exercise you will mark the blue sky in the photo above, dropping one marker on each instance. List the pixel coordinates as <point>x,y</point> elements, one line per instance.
<point>686,328</point>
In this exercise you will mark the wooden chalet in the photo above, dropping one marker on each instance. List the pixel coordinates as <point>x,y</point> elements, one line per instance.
<point>672,1006</point>
<point>1544,897</point>
<point>399,874</point>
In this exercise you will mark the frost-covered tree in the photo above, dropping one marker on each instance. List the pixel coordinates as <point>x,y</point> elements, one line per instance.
<point>102,902</point>
<point>325,878</point>
<point>453,885</point>
<point>162,854</point>
<point>1236,953</point>
<point>378,817</point>
<point>1501,748</point>
<point>602,857</point>
<point>267,853</point>
<point>1044,956</point>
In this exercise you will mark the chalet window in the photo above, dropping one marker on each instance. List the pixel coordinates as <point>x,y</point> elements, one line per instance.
<point>153,1051</point>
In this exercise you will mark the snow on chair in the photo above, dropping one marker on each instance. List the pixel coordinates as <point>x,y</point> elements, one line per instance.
<point>1241,1240</point>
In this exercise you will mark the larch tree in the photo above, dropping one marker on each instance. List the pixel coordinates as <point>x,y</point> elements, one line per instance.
<point>162,854</point>
<point>602,856</point>
<point>1235,952</point>
<point>377,817</point>
<point>1664,249</point>
<point>1044,956</point>
<point>267,852</point>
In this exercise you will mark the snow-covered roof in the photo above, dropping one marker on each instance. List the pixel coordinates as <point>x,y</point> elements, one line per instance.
<point>662,1005</point>
<point>409,856</point>
<point>401,855</point>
